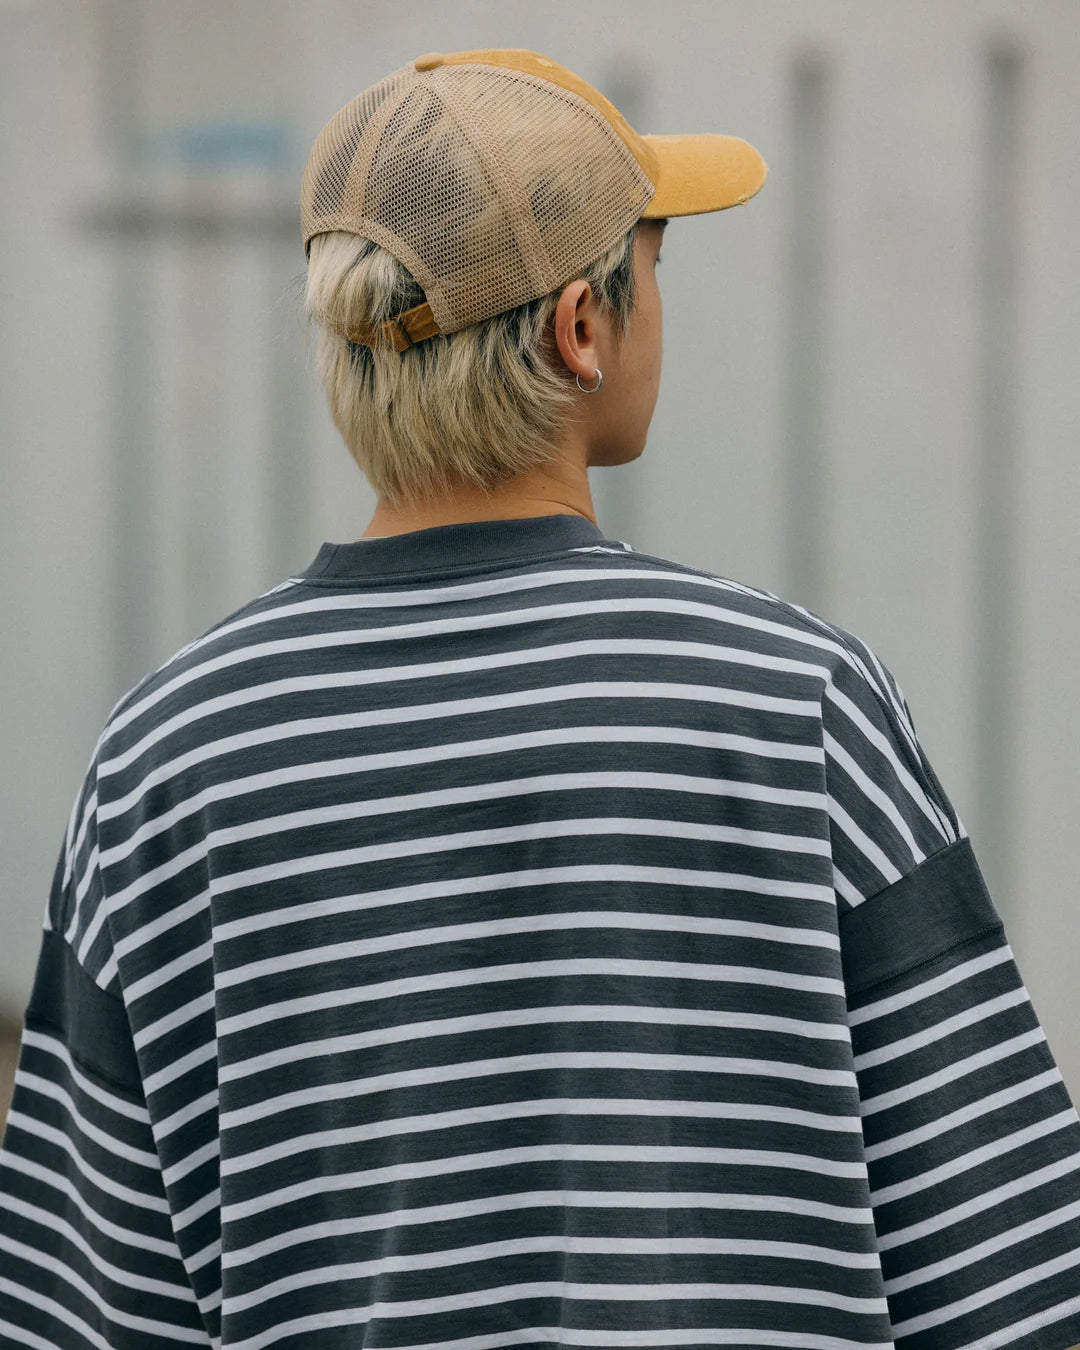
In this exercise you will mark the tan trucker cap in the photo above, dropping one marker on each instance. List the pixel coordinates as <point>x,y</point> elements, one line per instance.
<point>496,176</point>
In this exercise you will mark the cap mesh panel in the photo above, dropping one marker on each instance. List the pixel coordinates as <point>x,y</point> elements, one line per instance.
<point>322,191</point>
<point>491,186</point>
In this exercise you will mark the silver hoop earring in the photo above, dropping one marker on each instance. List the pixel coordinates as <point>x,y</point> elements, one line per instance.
<point>596,386</point>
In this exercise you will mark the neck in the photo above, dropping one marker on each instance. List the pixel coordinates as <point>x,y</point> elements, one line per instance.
<point>560,487</point>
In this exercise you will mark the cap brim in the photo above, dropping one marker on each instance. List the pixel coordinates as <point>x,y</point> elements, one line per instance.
<point>700,173</point>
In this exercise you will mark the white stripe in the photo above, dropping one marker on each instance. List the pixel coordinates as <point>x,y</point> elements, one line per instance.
<point>64,1316</point>
<point>478,792</point>
<point>514,1110</point>
<point>209,1302</point>
<point>996,1148</point>
<point>73,842</point>
<point>209,1254</point>
<point>931,1129</point>
<point>547,1243</point>
<point>38,1129</point>
<point>800,1296</point>
<point>130,1278</point>
<point>499,1019</point>
<point>504,587</point>
<point>94,927</point>
<point>870,850</point>
<point>512,1203</point>
<point>46,1088</point>
<point>979,1203</point>
<point>891,1003</point>
<point>1009,1335</point>
<point>148,880</point>
<point>351,810</point>
<point>204,1205</point>
<point>871,792</point>
<point>20,1336</point>
<point>440,629</point>
<point>489,882</point>
<point>107,977</point>
<point>43,1261</point>
<point>846,890</point>
<point>187,1012</point>
<point>950,1072</point>
<point>894,702</point>
<point>54,1046</point>
<point>1024,1279</point>
<point>624,1061</point>
<point>876,737</point>
<point>200,1055</point>
<point>193,1160</point>
<point>937,1031</point>
<point>556,828</point>
<point>161,922</point>
<point>527,832</point>
<point>470,666</point>
<point>970,1257</point>
<point>85,878</point>
<point>187,1113</point>
<point>200,955</point>
<point>567,969</point>
<point>131,1236</point>
<point>560,827</point>
<point>499,881</point>
<point>164,769</point>
<point>626,1155</point>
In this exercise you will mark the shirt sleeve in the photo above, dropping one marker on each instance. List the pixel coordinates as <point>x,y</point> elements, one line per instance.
<point>87,1252</point>
<point>971,1139</point>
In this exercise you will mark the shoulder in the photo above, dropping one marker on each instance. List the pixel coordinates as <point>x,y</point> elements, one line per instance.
<point>199,671</point>
<point>888,811</point>
<point>840,652</point>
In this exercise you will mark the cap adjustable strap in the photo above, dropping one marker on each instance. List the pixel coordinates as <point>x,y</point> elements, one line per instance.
<point>401,331</point>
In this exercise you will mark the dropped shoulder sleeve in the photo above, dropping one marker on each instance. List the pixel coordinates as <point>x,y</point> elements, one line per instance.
<point>87,1253</point>
<point>971,1139</point>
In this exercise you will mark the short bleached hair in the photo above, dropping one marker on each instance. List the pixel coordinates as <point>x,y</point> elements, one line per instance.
<point>476,407</point>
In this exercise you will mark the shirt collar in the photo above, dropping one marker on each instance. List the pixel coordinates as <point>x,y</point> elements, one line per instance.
<point>443,547</point>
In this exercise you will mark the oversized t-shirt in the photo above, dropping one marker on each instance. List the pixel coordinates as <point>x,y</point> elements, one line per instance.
<point>495,936</point>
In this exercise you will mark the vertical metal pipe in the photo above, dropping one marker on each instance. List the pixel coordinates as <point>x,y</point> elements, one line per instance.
<point>805,356</point>
<point>290,495</point>
<point>996,617</point>
<point>134,559</point>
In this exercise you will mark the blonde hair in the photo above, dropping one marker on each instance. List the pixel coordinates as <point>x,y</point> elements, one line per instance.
<point>476,407</point>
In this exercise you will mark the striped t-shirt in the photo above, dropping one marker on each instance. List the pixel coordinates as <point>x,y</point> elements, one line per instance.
<point>495,936</point>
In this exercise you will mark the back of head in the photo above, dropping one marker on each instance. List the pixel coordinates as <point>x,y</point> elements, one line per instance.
<point>443,210</point>
<point>478,406</point>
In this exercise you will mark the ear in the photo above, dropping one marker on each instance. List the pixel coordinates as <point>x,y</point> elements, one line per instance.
<point>576,329</point>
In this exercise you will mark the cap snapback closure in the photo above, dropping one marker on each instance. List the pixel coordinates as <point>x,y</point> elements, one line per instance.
<point>400,332</point>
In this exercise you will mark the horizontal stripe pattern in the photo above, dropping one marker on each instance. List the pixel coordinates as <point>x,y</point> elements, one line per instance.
<point>494,936</point>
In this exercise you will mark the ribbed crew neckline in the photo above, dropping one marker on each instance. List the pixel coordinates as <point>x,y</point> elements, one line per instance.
<point>442,547</point>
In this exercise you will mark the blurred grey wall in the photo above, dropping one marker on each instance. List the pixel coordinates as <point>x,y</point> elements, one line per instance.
<point>871,402</point>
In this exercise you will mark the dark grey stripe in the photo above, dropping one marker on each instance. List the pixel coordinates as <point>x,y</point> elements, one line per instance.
<point>93,1024</point>
<point>940,905</point>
